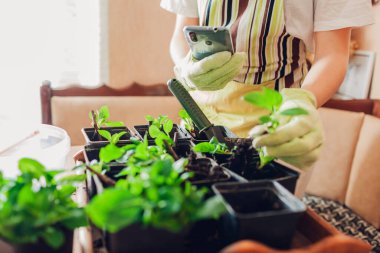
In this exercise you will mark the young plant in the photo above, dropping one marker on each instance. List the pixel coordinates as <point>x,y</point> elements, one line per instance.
<point>188,122</point>
<point>99,119</point>
<point>212,147</point>
<point>113,139</point>
<point>159,130</point>
<point>157,196</point>
<point>37,205</point>
<point>270,99</point>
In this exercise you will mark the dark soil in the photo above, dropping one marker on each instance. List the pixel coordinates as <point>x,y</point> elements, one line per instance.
<point>203,169</point>
<point>245,161</point>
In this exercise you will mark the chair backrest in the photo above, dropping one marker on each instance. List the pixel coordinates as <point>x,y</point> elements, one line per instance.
<point>367,106</point>
<point>69,107</point>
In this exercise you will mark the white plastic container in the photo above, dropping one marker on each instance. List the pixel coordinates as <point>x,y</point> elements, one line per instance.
<point>47,144</point>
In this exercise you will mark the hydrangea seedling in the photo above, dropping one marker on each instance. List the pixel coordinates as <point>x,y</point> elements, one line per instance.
<point>271,100</point>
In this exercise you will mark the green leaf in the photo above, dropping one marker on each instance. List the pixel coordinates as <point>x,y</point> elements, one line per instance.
<point>265,119</point>
<point>264,159</point>
<point>114,209</point>
<point>204,147</point>
<point>168,126</point>
<point>67,190</point>
<point>74,178</point>
<point>212,208</point>
<point>154,131</point>
<point>149,118</point>
<point>266,98</point>
<point>105,134</point>
<point>104,113</point>
<point>77,218</point>
<point>26,196</point>
<point>116,137</point>
<point>183,114</point>
<point>31,166</point>
<point>114,123</point>
<point>110,153</point>
<point>54,237</point>
<point>294,111</point>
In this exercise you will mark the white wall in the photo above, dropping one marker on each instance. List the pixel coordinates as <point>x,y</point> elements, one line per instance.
<point>369,39</point>
<point>139,35</point>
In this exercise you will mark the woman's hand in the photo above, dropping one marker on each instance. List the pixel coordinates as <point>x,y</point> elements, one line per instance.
<point>210,73</point>
<point>299,138</point>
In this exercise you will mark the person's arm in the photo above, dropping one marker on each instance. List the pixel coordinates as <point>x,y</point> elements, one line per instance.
<point>178,45</point>
<point>330,64</point>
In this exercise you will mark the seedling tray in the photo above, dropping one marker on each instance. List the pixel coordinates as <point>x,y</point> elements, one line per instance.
<point>310,229</point>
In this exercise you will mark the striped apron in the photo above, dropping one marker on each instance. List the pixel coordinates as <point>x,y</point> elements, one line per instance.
<point>275,58</point>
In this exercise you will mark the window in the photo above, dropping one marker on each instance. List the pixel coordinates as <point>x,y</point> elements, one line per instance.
<point>58,40</point>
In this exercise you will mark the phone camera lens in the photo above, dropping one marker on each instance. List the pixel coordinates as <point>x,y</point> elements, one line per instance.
<point>193,36</point>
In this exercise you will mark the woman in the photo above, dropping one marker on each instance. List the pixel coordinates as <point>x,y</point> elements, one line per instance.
<point>271,38</point>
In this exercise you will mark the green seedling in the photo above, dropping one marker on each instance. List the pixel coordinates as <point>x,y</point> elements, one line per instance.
<point>113,139</point>
<point>270,100</point>
<point>37,205</point>
<point>188,122</point>
<point>159,129</point>
<point>212,147</point>
<point>99,119</point>
<point>158,196</point>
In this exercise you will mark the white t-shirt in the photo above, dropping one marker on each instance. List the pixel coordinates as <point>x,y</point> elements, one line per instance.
<point>302,17</point>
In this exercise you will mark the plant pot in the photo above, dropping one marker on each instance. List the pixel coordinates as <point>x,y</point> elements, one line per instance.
<point>204,237</point>
<point>182,135</point>
<point>264,211</point>
<point>246,161</point>
<point>42,247</point>
<point>137,238</point>
<point>207,172</point>
<point>91,137</point>
<point>183,148</point>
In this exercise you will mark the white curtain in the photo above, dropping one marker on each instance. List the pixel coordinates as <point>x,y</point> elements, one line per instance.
<point>56,40</point>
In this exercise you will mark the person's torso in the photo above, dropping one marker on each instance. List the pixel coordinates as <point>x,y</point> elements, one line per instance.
<point>258,28</point>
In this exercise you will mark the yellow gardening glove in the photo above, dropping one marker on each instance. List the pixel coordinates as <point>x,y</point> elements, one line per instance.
<point>298,138</point>
<point>210,73</point>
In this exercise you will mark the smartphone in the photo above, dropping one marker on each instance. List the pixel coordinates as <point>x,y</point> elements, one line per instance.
<point>205,41</point>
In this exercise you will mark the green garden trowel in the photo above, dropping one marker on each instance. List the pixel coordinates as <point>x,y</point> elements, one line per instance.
<point>195,113</point>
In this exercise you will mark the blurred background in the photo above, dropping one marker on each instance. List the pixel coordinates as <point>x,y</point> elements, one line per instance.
<point>117,42</point>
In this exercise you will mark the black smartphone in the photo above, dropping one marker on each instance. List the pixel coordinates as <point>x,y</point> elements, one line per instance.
<point>205,41</point>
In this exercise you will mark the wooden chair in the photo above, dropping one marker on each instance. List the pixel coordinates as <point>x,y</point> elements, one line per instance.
<point>68,107</point>
<point>368,106</point>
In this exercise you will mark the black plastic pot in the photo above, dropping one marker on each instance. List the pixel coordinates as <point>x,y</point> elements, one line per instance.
<point>264,211</point>
<point>42,247</point>
<point>91,137</point>
<point>207,172</point>
<point>137,238</point>
<point>246,161</point>
<point>182,135</point>
<point>183,148</point>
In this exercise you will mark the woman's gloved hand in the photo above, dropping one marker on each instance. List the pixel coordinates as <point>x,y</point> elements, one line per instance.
<point>210,73</point>
<point>298,138</point>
